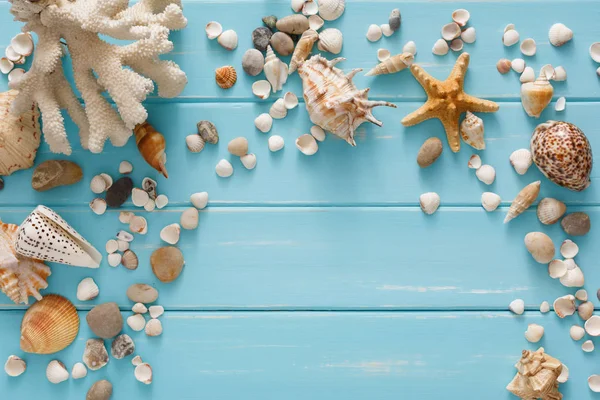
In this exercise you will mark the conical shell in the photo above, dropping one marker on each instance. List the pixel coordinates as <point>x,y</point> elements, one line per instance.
<point>19,136</point>
<point>331,10</point>
<point>226,77</point>
<point>275,70</point>
<point>44,235</point>
<point>333,101</point>
<point>303,49</point>
<point>20,277</point>
<point>550,210</point>
<point>521,160</point>
<point>524,199</point>
<point>393,64</point>
<point>331,40</point>
<point>472,131</point>
<point>535,96</point>
<point>151,145</point>
<point>49,326</point>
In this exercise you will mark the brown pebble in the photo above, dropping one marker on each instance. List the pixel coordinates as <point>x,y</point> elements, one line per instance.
<point>503,66</point>
<point>142,293</point>
<point>576,224</point>
<point>95,355</point>
<point>167,263</point>
<point>55,173</point>
<point>101,390</point>
<point>294,24</point>
<point>585,310</point>
<point>119,192</point>
<point>429,152</point>
<point>282,43</point>
<point>105,320</point>
<point>238,146</point>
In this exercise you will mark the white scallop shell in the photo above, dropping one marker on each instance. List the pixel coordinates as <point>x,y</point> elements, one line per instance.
<point>297,5</point>
<point>581,295</point>
<point>569,249</point>
<point>276,143</point>
<point>574,277</point>
<point>213,30</point>
<point>588,347</point>
<point>429,202</point>
<point>374,33</point>
<point>79,371</point>
<point>559,34</point>
<point>143,373</point>
<point>139,197</point>
<point>194,143</point>
<point>469,35</point>
<point>138,225</point>
<point>161,201</point>
<point>261,89</point>
<point>14,366</point>
<point>224,169</point>
<point>490,201</point>
<point>87,290</point>
<point>331,10</point>
<point>548,72</point>
<point>528,47</point>
<point>228,39</point>
<point>521,160</point>
<point>450,31</point>
<point>517,306</point>
<point>510,37</point>
<point>12,55</point>
<point>125,167</point>
<point>112,246</point>
<point>544,307</point>
<point>98,206</point>
<point>594,380</point>
<point>331,40</point>
<point>486,174</point>
<point>461,16</point>
<point>440,47</point>
<point>307,144</point>
<point>199,200</point>
<point>475,162</point>
<point>263,122</point>
<point>311,7</point>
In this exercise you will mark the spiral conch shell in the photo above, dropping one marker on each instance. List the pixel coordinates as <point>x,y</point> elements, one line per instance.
<point>392,65</point>
<point>151,145</point>
<point>536,377</point>
<point>333,101</point>
<point>275,70</point>
<point>472,131</point>
<point>535,96</point>
<point>19,136</point>
<point>20,277</point>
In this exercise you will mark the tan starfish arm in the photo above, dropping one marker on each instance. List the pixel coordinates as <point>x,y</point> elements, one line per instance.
<point>450,122</point>
<point>460,69</point>
<point>424,113</point>
<point>428,82</point>
<point>475,104</point>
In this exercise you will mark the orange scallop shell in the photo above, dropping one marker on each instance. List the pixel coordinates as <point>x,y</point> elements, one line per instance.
<point>226,77</point>
<point>49,326</point>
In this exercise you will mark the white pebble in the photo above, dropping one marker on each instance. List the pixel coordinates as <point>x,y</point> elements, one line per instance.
<point>545,307</point>
<point>374,33</point>
<point>114,259</point>
<point>577,332</point>
<point>224,169</point>
<point>156,311</point>
<point>276,143</point>
<point>125,167</point>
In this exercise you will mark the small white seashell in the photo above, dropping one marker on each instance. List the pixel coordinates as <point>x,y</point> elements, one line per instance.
<point>574,276</point>
<point>263,122</point>
<point>136,322</point>
<point>331,10</point>
<point>317,132</point>
<point>143,373</point>
<point>98,206</point>
<point>14,366</point>
<point>557,269</point>
<point>461,16</point>
<point>125,236</point>
<point>528,75</point>
<point>137,360</point>
<point>12,55</point>
<point>156,311</point>
<point>228,39</point>
<point>139,197</point>
<point>564,306</point>
<point>213,30</point>
<point>125,167</point>
<point>374,33</point>
<point>450,31</point>
<point>569,249</point>
<point>528,47</point>
<point>249,161</point>
<point>469,35</point>
<point>87,290</point>
<point>98,184</point>
<point>577,332</point>
<point>592,326</point>
<point>598,71</point>
<point>561,104</point>
<point>518,65</point>
<point>548,72</point>
<point>564,375</point>
<point>261,89</point>
<point>276,71</point>
<point>276,143</point>
<point>440,47</point>
<point>544,307</point>
<point>15,74</point>
<point>331,40</point>
<point>429,202</point>
<point>154,327</point>
<point>383,54</point>
<point>581,295</point>
<point>307,144</point>
<point>139,308</point>
<point>114,259</point>
<point>410,47</point>
<point>509,27</point>
<point>170,233</point>
<point>123,245</point>
<point>108,179</point>
<point>161,201</point>
<point>224,169</point>
<point>150,205</point>
<point>594,380</point>
<point>56,372</point>
<point>594,52</point>
<point>199,200</point>
<point>189,218</point>
<point>510,38</point>
<point>125,217</point>
<point>386,30</point>
<point>517,306</point>
<point>588,347</point>
<point>570,263</point>
<point>456,45</point>
<point>6,65</point>
<point>278,109</point>
<point>559,34</point>
<point>290,100</point>
<point>315,22</point>
<point>79,371</point>
<point>521,160</point>
<point>560,74</point>
<point>194,143</point>
<point>311,7</point>
<point>490,201</point>
<point>475,162</point>
<point>486,174</point>
<point>534,333</point>
<point>138,225</point>
<point>297,5</point>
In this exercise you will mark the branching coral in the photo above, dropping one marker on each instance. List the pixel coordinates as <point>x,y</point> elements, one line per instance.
<point>126,72</point>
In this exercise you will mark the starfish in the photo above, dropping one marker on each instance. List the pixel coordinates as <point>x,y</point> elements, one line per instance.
<point>447,100</point>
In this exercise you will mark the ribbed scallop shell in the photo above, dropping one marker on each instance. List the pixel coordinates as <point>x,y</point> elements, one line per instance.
<point>331,10</point>
<point>19,136</point>
<point>226,77</point>
<point>49,326</point>
<point>20,277</point>
<point>550,210</point>
<point>333,101</point>
<point>331,40</point>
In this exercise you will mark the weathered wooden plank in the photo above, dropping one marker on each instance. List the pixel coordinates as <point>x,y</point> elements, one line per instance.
<point>315,355</point>
<point>333,258</point>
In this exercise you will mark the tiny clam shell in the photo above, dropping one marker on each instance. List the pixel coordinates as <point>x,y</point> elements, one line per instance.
<point>559,34</point>
<point>261,89</point>
<point>557,269</point>
<point>548,71</point>
<point>79,371</point>
<point>125,167</point>
<point>137,360</point>
<point>528,47</point>
<point>475,162</point>
<point>98,206</point>
<point>87,290</point>
<point>569,249</point>
<point>564,306</point>
<point>503,66</point>
<point>114,259</point>
<point>315,22</point>
<point>517,306</point>
<point>490,201</point>
<point>15,74</point>
<point>574,276</point>
<point>440,47</point>
<point>528,75</point>
<point>228,39</point>
<point>224,169</point>
<point>560,74</point>
<point>161,201</point>
<point>585,311</point>
<point>194,143</point>
<point>14,366</point>
<point>226,77</point>
<point>98,184</point>
<point>189,218</point>
<point>410,47</point>
<point>486,174</point>
<point>588,347</point>
<point>125,217</point>
<point>592,325</point>
<point>545,307</point>
<point>469,35</point>
<point>534,333</point>
<point>383,54</point>
<point>143,373</point>
<point>307,144</point>
<point>429,202</point>
<point>461,16</point>
<point>263,122</point>
<point>540,246</point>
<point>550,211</point>
<point>450,31</point>
<point>213,30</point>
<point>249,161</point>
<point>171,233</point>
<point>456,45</point>
<point>318,133</point>
<point>521,160</point>
<point>138,225</point>
<point>510,38</point>
<point>290,100</point>
<point>374,33</point>
<point>276,143</point>
<point>576,332</point>
<point>199,200</point>
<point>561,104</point>
<point>154,327</point>
<point>6,65</point>
<point>581,295</point>
<point>594,381</point>
<point>56,372</point>
<point>518,65</point>
<point>387,30</point>
<point>139,197</point>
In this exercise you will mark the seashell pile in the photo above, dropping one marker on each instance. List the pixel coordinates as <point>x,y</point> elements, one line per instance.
<point>21,46</point>
<point>455,34</point>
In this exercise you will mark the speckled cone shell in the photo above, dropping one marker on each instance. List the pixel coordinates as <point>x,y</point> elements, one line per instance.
<point>19,136</point>
<point>524,199</point>
<point>392,65</point>
<point>44,235</point>
<point>151,145</point>
<point>333,101</point>
<point>20,277</point>
<point>49,326</point>
<point>563,153</point>
<point>536,376</point>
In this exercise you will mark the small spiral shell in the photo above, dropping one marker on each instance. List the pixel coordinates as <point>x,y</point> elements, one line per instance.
<point>151,145</point>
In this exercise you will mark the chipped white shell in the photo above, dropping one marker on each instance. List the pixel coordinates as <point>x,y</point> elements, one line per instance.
<point>559,34</point>
<point>199,200</point>
<point>87,290</point>
<point>56,372</point>
<point>154,327</point>
<point>456,45</point>
<point>564,306</point>
<point>249,161</point>
<point>125,217</point>
<point>440,47</point>
<point>228,39</point>
<point>557,269</point>
<point>561,104</point>
<point>315,22</point>
<point>510,37</point>
<point>125,167</point>
<point>194,143</point>
<point>156,311</point>
<point>6,65</point>
<point>161,201</point>
<point>490,201</point>
<point>594,381</point>
<point>534,333</point>
<point>486,174</point>
<point>290,100</point>
<point>261,89</point>
<point>588,347</point>
<point>114,259</point>
<point>297,5</point>
<point>79,371</point>
<point>278,109</point>
<point>138,225</point>
<point>98,206</point>
<point>569,249</point>
<point>518,65</point>
<point>213,30</point>
<point>429,202</point>
<point>189,218</point>
<point>594,52</point>
<point>264,122</point>
<point>125,236</point>
<point>475,162</point>
<point>461,16</point>
<point>137,360</point>
<point>331,10</point>
<point>560,74</point>
<point>139,197</point>
<point>170,233</point>
<point>386,30</point>
<point>311,7</point>
<point>307,144</point>
<point>528,47</point>
<point>544,307</point>
<point>224,169</point>
<point>574,277</point>
<point>136,322</point>
<point>383,54</point>
<point>581,295</point>
<point>450,31</point>
<point>374,33</point>
<point>318,133</point>
<point>143,373</point>
<point>521,160</point>
<point>517,306</point>
<point>528,75</point>
<point>564,374</point>
<point>469,35</point>
<point>14,366</point>
<point>576,332</point>
<point>592,326</point>
<point>276,143</point>
<point>98,184</point>
<point>139,308</point>
<point>331,40</point>
<point>548,72</point>
<point>410,47</point>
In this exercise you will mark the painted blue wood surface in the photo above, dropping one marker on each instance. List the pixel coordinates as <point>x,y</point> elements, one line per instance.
<point>339,232</point>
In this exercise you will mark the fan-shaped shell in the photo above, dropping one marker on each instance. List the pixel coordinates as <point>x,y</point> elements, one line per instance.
<point>550,210</point>
<point>331,40</point>
<point>226,77</point>
<point>49,326</point>
<point>19,136</point>
<point>331,10</point>
<point>20,277</point>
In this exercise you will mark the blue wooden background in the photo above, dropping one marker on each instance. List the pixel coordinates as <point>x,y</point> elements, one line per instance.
<point>319,277</point>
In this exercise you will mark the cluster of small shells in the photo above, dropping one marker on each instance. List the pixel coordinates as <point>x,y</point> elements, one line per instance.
<point>455,34</point>
<point>375,32</point>
<point>118,248</point>
<point>21,47</point>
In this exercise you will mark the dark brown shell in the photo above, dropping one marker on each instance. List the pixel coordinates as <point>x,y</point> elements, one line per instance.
<point>563,153</point>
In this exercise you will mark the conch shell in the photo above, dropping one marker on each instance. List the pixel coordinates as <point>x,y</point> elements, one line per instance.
<point>151,145</point>
<point>536,377</point>
<point>393,64</point>
<point>535,96</point>
<point>472,131</point>
<point>20,277</point>
<point>275,70</point>
<point>49,325</point>
<point>19,136</point>
<point>333,101</point>
<point>303,49</point>
<point>524,199</point>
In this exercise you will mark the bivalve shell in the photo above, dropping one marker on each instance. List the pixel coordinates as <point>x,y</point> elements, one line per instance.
<point>386,30</point>
<point>518,65</point>
<point>564,306</point>
<point>130,260</point>
<point>544,307</point>
<point>517,306</point>
<point>450,31</point>
<point>264,122</point>
<point>139,197</point>
<point>592,325</point>
<point>224,169</point>
<point>161,201</point>
<point>156,311</point>
<point>510,38</point>
<point>154,327</point>
<point>307,144</point>
<point>136,322</point>
<point>14,366</point>
<point>278,109</point>
<point>490,201</point>
<point>486,174</point>
<point>98,206</point>
<point>331,10</point>
<point>534,333</point>
<point>588,347</point>
<point>331,40</point>
<point>521,160</point>
<point>557,269</point>
<point>527,76</point>
<point>595,52</point>
<point>249,161</point>
<point>410,47</point>
<point>503,66</point>
<point>594,380</point>
<point>228,39</point>
<point>194,143</point>
<point>461,16</point>
<point>261,89</point>
<point>290,100</point>
<point>469,35</point>
<point>238,146</point>
<point>199,200</point>
<point>429,202</point>
<point>87,290</point>
<point>143,373</point>
<point>440,47</point>
<point>189,218</point>
<point>318,133</point>
<point>581,295</point>
<point>561,104</point>
<point>139,308</point>
<point>540,246</point>
<point>569,249</point>
<point>374,33</point>
<point>213,30</point>
<point>574,276</point>
<point>226,77</point>
<point>528,47</point>
<point>138,225</point>
<point>560,74</point>
<point>456,45</point>
<point>56,372</point>
<point>170,233</point>
<point>559,34</point>
<point>6,65</point>
<point>276,143</point>
<point>125,167</point>
<point>315,22</point>
<point>564,374</point>
<point>585,311</point>
<point>475,162</point>
<point>79,371</point>
<point>576,332</point>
